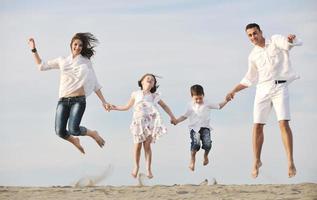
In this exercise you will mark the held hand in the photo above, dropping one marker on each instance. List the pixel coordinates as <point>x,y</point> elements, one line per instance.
<point>174,121</point>
<point>230,96</point>
<point>31,43</point>
<point>107,106</point>
<point>291,38</point>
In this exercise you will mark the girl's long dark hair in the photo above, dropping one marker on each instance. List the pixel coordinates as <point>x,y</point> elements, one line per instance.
<point>153,89</point>
<point>89,43</point>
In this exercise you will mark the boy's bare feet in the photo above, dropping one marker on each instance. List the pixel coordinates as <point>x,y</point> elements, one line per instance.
<point>255,171</point>
<point>291,170</point>
<point>206,160</point>
<point>135,172</point>
<point>192,165</point>
<point>94,134</point>
<point>76,142</point>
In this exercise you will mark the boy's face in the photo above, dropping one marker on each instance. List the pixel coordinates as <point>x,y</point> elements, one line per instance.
<point>199,99</point>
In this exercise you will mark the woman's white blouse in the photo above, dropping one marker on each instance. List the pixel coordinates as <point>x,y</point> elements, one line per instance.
<point>74,73</point>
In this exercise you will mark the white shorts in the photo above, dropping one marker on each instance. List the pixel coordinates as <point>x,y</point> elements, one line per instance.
<point>270,95</point>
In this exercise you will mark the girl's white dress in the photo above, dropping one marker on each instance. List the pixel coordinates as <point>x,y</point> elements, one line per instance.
<point>146,119</point>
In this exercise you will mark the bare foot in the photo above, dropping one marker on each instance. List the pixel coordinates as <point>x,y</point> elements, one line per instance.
<point>192,165</point>
<point>135,172</point>
<point>291,171</point>
<point>149,174</point>
<point>255,171</point>
<point>206,160</point>
<point>100,141</point>
<point>76,142</point>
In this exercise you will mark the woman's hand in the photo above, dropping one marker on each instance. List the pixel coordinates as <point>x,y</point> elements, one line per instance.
<point>31,43</point>
<point>107,106</point>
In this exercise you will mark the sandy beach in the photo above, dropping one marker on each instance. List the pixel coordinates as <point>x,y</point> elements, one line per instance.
<point>304,191</point>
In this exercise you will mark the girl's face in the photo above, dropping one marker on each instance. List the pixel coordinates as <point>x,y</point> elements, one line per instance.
<point>148,82</point>
<point>77,46</point>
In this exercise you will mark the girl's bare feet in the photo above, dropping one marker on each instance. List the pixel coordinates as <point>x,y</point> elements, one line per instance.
<point>135,172</point>
<point>255,171</point>
<point>94,134</point>
<point>149,174</point>
<point>76,142</point>
<point>291,170</point>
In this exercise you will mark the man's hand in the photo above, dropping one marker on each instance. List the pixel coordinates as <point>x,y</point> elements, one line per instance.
<point>31,43</point>
<point>230,96</point>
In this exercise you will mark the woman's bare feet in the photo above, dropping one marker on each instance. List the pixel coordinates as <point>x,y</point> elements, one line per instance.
<point>135,172</point>
<point>255,171</point>
<point>76,142</point>
<point>94,135</point>
<point>291,170</point>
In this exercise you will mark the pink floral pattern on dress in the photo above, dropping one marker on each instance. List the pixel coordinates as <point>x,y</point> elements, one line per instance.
<point>147,120</point>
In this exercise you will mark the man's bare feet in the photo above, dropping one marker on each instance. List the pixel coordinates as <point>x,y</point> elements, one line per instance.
<point>206,160</point>
<point>100,141</point>
<point>76,142</point>
<point>192,165</point>
<point>135,172</point>
<point>149,174</point>
<point>291,171</point>
<point>255,171</point>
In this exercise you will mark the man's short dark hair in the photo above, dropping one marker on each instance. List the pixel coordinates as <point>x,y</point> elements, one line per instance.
<point>197,90</point>
<point>253,25</point>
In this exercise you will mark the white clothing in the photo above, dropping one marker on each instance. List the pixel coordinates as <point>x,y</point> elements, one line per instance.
<point>74,73</point>
<point>147,120</point>
<point>199,115</point>
<point>271,62</point>
<point>270,95</point>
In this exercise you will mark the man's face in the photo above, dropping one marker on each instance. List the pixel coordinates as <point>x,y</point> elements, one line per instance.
<point>255,35</point>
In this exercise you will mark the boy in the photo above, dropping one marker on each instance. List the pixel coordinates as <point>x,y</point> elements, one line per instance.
<point>198,113</point>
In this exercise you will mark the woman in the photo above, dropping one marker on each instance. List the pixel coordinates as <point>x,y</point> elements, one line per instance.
<point>77,81</point>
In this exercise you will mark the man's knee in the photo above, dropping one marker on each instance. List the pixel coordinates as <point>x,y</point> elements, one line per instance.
<point>195,147</point>
<point>207,146</point>
<point>258,128</point>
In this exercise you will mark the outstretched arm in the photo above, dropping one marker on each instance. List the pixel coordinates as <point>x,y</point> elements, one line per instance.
<point>236,89</point>
<point>180,119</point>
<point>36,55</point>
<point>222,104</point>
<point>167,110</point>
<point>105,104</point>
<point>125,107</point>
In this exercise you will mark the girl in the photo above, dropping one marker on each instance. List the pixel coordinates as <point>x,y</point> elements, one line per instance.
<point>77,81</point>
<point>146,126</point>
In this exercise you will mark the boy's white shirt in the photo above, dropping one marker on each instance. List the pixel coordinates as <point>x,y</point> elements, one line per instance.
<point>198,115</point>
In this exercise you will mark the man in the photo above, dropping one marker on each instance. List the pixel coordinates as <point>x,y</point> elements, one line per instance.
<point>270,69</point>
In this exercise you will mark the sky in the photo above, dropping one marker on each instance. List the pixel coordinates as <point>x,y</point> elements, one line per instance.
<point>184,42</point>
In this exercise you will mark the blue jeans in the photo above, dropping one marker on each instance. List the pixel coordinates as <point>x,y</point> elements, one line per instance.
<point>203,135</point>
<point>70,109</point>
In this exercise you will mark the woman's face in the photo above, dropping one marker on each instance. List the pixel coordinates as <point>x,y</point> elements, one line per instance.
<point>77,46</point>
<point>148,82</point>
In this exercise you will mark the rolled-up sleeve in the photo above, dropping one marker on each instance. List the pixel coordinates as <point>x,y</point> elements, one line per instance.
<point>283,43</point>
<point>251,77</point>
<point>50,64</point>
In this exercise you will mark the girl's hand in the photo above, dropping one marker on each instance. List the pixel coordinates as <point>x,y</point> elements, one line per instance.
<point>174,121</point>
<point>291,38</point>
<point>31,43</point>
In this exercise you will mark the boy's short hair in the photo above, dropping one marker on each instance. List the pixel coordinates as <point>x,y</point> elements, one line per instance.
<point>197,90</point>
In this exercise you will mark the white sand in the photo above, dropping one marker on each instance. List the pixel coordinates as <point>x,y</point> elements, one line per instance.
<point>305,191</point>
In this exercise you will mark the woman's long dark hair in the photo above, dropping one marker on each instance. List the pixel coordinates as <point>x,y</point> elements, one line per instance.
<point>89,43</point>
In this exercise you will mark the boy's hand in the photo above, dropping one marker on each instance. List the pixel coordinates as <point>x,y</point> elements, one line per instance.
<point>291,38</point>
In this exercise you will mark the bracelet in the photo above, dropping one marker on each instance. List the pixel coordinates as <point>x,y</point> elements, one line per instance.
<point>34,50</point>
